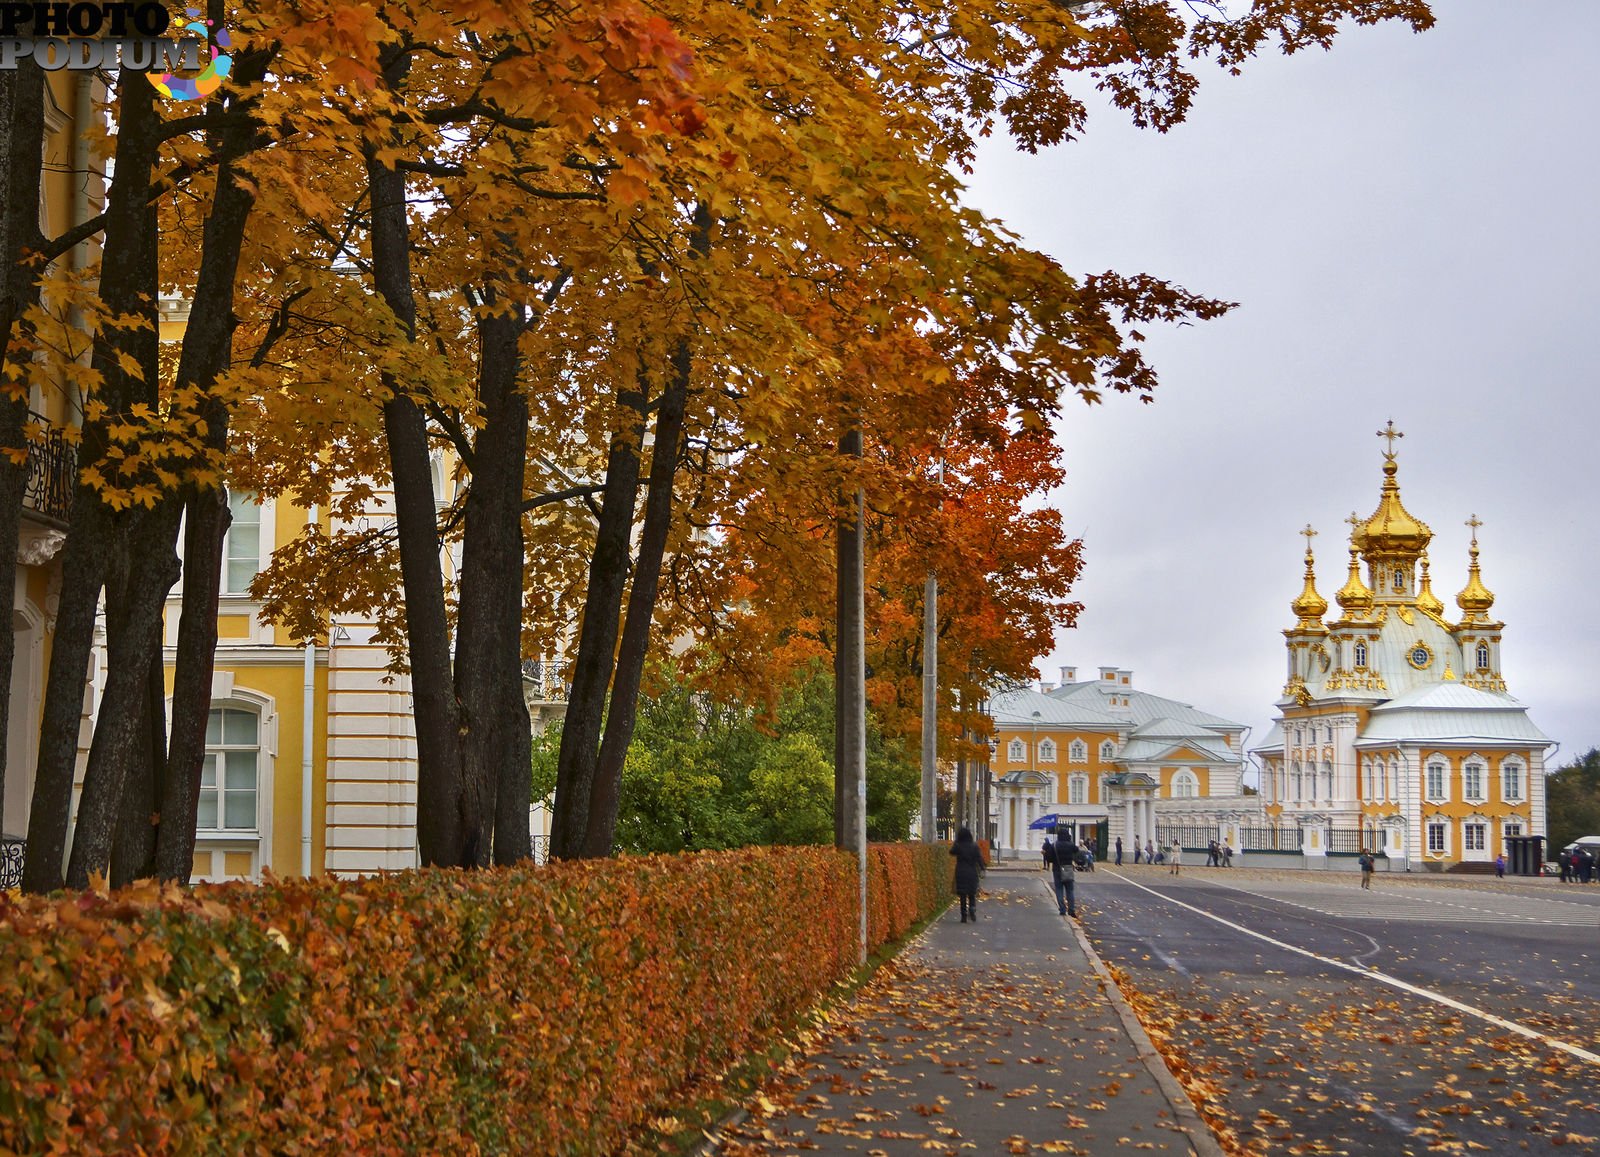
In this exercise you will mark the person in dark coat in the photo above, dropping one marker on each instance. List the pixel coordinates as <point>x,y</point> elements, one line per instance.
<point>1119,851</point>
<point>969,862</point>
<point>1064,872</point>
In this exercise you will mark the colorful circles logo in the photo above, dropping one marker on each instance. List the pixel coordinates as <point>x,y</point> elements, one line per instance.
<point>210,78</point>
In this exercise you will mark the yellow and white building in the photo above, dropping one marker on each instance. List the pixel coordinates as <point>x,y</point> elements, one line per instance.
<point>1395,731</point>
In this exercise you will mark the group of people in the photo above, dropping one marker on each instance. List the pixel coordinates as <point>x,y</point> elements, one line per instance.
<point>1148,853</point>
<point>1577,866</point>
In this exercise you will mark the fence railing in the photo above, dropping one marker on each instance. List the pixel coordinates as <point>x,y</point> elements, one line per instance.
<point>1348,842</point>
<point>1193,838</point>
<point>52,474</point>
<point>1274,839</point>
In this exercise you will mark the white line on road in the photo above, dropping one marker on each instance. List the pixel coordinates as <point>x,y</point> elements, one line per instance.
<point>1482,1014</point>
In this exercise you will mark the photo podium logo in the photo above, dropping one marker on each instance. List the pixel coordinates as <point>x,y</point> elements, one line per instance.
<point>118,36</point>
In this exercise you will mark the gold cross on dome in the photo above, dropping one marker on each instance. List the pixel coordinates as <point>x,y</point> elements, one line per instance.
<point>1474,522</point>
<point>1390,433</point>
<point>1355,520</point>
<point>1310,534</point>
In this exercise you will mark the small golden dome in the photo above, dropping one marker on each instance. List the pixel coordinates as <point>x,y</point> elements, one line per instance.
<point>1393,530</point>
<point>1355,596</point>
<point>1475,599</point>
<point>1310,606</point>
<point>1427,601</point>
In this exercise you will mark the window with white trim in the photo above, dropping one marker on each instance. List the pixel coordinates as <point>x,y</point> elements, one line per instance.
<point>241,545</point>
<point>1078,789</point>
<point>1510,779</point>
<point>1483,656</point>
<point>228,781</point>
<point>1372,779</point>
<point>1436,837</point>
<point>1327,782</point>
<point>1185,785</point>
<point>1016,752</point>
<point>1078,751</point>
<point>1435,785</point>
<point>1475,837</point>
<point>1047,751</point>
<point>1361,654</point>
<point>1472,780</point>
<point>1512,828</point>
<point>1108,751</point>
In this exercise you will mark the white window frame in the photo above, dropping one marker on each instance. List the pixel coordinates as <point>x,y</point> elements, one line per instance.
<point>1509,767</point>
<point>1016,752</point>
<point>1078,751</point>
<point>263,521</point>
<point>1474,836</point>
<point>1185,785</point>
<point>1047,751</point>
<point>1436,792</point>
<point>1361,656</point>
<point>1108,751</point>
<point>1483,656</point>
<point>1474,777</point>
<point>264,707</point>
<point>1439,828</point>
<point>1078,790</point>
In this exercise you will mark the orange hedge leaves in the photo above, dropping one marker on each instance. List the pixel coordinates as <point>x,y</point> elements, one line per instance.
<point>535,1010</point>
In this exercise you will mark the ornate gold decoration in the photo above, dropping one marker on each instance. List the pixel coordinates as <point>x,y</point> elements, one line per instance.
<point>1354,596</point>
<point>1428,602</point>
<point>1321,652</point>
<point>1420,656</point>
<point>1392,531</point>
<point>1310,606</point>
<point>1475,599</point>
<point>1449,672</point>
<point>1405,615</point>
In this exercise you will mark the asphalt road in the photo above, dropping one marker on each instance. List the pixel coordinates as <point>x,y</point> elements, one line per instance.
<point>1306,1015</point>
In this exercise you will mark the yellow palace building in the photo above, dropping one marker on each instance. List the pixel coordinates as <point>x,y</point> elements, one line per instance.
<point>1395,731</point>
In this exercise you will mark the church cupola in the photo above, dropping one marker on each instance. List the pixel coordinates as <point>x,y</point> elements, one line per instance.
<point>1310,606</point>
<point>1428,602</point>
<point>1355,597</point>
<point>1393,539</point>
<point>1475,599</point>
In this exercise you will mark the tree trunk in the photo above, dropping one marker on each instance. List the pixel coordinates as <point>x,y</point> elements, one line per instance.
<point>207,522</point>
<point>21,162</point>
<point>489,618</point>
<point>133,848</point>
<point>442,836</point>
<point>127,286</point>
<point>624,711</point>
<point>597,639</point>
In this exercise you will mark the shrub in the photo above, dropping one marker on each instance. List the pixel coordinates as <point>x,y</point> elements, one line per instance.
<point>539,1010</point>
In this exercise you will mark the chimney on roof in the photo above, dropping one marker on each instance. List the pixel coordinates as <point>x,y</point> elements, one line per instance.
<point>1125,678</point>
<point>1069,675</point>
<point>1108,674</point>
<point>1046,688</point>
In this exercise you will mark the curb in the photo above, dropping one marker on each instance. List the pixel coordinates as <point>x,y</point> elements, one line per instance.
<point>1201,1139</point>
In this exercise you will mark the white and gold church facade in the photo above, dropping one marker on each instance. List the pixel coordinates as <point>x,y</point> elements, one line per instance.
<point>1395,731</point>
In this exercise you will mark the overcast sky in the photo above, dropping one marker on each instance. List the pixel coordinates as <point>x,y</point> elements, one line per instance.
<point>1408,224</point>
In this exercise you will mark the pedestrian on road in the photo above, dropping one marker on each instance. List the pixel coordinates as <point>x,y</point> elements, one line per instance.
<point>1211,854</point>
<point>1064,876</point>
<point>1119,852</point>
<point>1048,852</point>
<point>1176,855</point>
<point>1149,852</point>
<point>969,862</point>
<point>1566,868</point>
<point>1138,852</point>
<point>1227,855</point>
<point>1366,868</point>
<point>1500,867</point>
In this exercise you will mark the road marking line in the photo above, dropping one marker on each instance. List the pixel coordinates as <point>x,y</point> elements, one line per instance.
<point>1482,1014</point>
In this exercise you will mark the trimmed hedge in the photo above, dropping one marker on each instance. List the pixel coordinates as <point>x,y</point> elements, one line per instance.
<point>533,1010</point>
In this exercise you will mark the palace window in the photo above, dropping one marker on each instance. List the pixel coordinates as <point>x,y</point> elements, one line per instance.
<point>1399,579</point>
<point>1436,837</point>
<point>1472,780</point>
<point>1078,751</point>
<point>1510,779</point>
<point>1078,789</point>
<point>1047,751</point>
<point>1108,751</point>
<point>1483,656</point>
<point>241,545</point>
<point>1295,784</point>
<point>1475,837</point>
<point>228,779</point>
<point>1436,771</point>
<point>1361,654</point>
<point>1513,828</point>
<point>1185,785</point>
<point>1327,782</point>
<point>1372,781</point>
<point>1016,752</point>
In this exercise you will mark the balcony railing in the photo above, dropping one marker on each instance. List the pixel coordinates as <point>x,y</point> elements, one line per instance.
<point>12,852</point>
<point>52,474</point>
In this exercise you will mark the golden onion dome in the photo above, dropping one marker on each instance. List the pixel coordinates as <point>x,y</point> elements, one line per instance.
<point>1310,606</point>
<point>1475,599</point>
<point>1393,530</point>
<point>1427,601</point>
<point>1355,596</point>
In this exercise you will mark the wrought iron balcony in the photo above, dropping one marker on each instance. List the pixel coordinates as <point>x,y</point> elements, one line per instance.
<point>12,851</point>
<point>52,474</point>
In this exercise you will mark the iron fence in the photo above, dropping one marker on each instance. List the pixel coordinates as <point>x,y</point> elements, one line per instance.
<point>1195,838</point>
<point>1349,841</point>
<point>1274,839</point>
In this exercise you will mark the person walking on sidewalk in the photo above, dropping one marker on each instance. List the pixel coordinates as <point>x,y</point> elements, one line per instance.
<point>969,862</point>
<point>1065,876</point>
<point>1119,851</point>
<point>1366,868</point>
<point>1174,857</point>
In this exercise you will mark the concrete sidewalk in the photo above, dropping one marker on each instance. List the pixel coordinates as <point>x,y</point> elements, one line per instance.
<point>1002,1036</point>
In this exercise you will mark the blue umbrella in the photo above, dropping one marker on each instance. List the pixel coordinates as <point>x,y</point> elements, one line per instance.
<point>1045,823</point>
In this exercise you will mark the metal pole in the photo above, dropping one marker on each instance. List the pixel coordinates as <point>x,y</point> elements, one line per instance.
<point>930,705</point>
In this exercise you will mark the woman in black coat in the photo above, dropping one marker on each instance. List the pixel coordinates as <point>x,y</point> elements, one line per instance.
<point>969,861</point>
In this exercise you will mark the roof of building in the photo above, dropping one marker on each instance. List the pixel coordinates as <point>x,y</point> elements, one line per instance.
<point>1025,707</point>
<point>1451,711</point>
<point>1143,707</point>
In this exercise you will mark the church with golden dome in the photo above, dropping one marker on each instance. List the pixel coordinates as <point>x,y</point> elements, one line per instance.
<point>1395,731</point>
